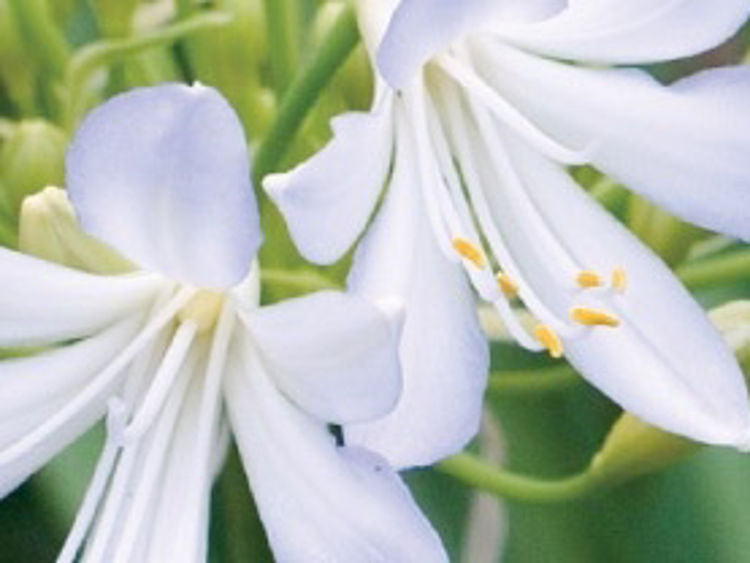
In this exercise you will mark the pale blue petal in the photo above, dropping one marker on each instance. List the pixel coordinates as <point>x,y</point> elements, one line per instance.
<point>684,146</point>
<point>444,354</point>
<point>42,302</point>
<point>328,199</point>
<point>665,363</point>
<point>419,29</point>
<point>635,31</point>
<point>163,175</point>
<point>319,502</point>
<point>335,355</point>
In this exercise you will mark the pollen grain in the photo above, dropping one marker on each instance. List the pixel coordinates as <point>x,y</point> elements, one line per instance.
<point>550,340</point>
<point>470,251</point>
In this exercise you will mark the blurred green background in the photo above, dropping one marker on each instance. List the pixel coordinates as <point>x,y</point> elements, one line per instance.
<point>697,511</point>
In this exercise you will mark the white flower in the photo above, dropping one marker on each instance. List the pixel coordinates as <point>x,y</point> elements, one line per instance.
<point>181,353</point>
<point>475,117</point>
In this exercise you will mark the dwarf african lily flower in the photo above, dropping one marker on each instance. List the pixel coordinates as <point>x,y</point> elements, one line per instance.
<point>476,116</point>
<point>178,354</point>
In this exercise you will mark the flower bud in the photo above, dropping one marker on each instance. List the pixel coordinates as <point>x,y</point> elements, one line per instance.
<point>32,157</point>
<point>733,321</point>
<point>48,230</point>
<point>634,448</point>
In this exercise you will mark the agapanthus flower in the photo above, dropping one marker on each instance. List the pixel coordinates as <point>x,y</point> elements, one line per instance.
<point>480,108</point>
<point>178,354</point>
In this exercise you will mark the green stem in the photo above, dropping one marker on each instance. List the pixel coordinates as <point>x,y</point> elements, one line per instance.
<point>537,380</point>
<point>477,473</point>
<point>725,269</point>
<point>301,279</point>
<point>304,92</point>
<point>43,37</point>
<point>95,55</point>
<point>283,34</point>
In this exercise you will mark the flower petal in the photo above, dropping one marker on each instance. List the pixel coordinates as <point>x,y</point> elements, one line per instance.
<point>637,31</point>
<point>335,355</point>
<point>163,175</point>
<point>683,146</point>
<point>319,502</point>
<point>444,355</point>
<point>665,363</point>
<point>36,387</point>
<point>328,199</point>
<point>420,29</point>
<point>41,302</point>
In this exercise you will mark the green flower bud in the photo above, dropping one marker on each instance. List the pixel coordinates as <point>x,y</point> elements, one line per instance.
<point>48,229</point>
<point>634,448</point>
<point>32,157</point>
<point>733,321</point>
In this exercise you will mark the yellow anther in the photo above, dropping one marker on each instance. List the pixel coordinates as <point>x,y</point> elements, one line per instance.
<point>470,251</point>
<point>589,316</point>
<point>550,340</point>
<point>508,285</point>
<point>203,309</point>
<point>619,280</point>
<point>588,279</point>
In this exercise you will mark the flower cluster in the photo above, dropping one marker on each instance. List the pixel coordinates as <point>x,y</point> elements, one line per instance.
<point>145,309</point>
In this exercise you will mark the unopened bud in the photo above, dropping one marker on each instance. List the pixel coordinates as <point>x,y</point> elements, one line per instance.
<point>733,321</point>
<point>634,448</point>
<point>48,230</point>
<point>32,157</point>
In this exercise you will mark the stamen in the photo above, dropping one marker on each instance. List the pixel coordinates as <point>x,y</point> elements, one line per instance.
<point>589,316</point>
<point>203,310</point>
<point>508,285</point>
<point>470,251</point>
<point>619,280</point>
<point>550,340</point>
<point>589,279</point>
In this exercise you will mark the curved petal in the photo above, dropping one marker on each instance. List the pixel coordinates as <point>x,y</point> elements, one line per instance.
<point>163,175</point>
<point>420,29</point>
<point>637,31</point>
<point>335,355</point>
<point>683,146</point>
<point>444,355</point>
<point>41,302</point>
<point>665,363</point>
<point>328,199</point>
<point>319,502</point>
<point>36,387</point>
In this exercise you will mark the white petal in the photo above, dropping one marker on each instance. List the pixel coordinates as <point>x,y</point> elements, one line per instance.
<point>41,302</point>
<point>334,354</point>
<point>328,199</point>
<point>683,146</point>
<point>319,502</point>
<point>444,355</point>
<point>420,29</point>
<point>666,362</point>
<point>636,31</point>
<point>34,388</point>
<point>163,175</point>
